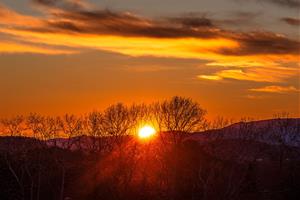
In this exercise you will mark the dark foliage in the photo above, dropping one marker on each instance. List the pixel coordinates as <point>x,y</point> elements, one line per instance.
<point>136,170</point>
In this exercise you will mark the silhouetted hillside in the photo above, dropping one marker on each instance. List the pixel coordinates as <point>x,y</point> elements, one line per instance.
<point>230,163</point>
<point>273,131</point>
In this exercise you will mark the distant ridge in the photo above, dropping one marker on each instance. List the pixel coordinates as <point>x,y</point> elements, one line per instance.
<point>271,131</point>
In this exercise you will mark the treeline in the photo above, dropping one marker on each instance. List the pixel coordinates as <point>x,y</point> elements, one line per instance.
<point>112,164</point>
<point>177,114</point>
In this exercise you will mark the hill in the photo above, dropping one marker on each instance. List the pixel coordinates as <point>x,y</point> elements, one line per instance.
<point>273,131</point>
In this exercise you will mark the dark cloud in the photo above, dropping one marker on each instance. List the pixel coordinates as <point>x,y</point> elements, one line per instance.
<point>72,17</point>
<point>193,22</point>
<point>103,22</point>
<point>262,43</point>
<point>245,15</point>
<point>64,25</point>
<point>126,24</point>
<point>238,20</point>
<point>287,3</point>
<point>293,4</point>
<point>239,17</point>
<point>46,2</point>
<point>291,21</point>
<point>65,4</point>
<point>106,22</point>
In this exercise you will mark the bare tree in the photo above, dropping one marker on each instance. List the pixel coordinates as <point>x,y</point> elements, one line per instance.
<point>119,121</point>
<point>33,122</point>
<point>219,122</point>
<point>179,116</point>
<point>42,127</point>
<point>93,127</point>
<point>72,128</point>
<point>14,126</point>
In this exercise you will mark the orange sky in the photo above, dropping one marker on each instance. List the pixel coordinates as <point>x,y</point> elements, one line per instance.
<point>76,56</point>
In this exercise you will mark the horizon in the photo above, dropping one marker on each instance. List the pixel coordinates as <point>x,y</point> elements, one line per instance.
<point>176,114</point>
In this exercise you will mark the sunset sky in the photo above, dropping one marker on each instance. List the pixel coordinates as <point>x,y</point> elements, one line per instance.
<point>237,58</point>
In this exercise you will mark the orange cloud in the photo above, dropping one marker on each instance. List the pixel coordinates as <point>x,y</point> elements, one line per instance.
<point>11,47</point>
<point>276,89</point>
<point>211,77</point>
<point>194,37</point>
<point>251,56</point>
<point>133,46</point>
<point>270,74</point>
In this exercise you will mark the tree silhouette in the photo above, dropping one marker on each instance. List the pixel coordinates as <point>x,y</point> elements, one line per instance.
<point>179,116</point>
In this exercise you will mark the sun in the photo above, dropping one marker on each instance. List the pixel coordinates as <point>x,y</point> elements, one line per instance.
<point>146,132</point>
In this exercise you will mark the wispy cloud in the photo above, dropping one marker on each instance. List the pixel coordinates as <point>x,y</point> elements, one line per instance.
<point>239,19</point>
<point>251,56</point>
<point>13,47</point>
<point>211,77</point>
<point>292,4</point>
<point>68,21</point>
<point>276,89</point>
<point>291,21</point>
<point>288,3</point>
<point>273,74</point>
<point>255,43</point>
<point>65,4</point>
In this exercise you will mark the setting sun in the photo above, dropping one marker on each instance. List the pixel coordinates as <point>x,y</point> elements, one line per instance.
<point>146,132</point>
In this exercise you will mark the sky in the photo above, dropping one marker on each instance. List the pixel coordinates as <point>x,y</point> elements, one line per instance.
<point>237,58</point>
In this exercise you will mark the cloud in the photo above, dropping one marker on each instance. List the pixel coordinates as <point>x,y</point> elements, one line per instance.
<point>88,23</point>
<point>120,32</point>
<point>271,74</point>
<point>65,4</point>
<point>13,47</point>
<point>211,77</point>
<point>292,4</point>
<point>247,75</point>
<point>291,21</point>
<point>239,19</point>
<point>287,3</point>
<point>103,22</point>
<point>262,43</point>
<point>276,89</point>
<point>192,21</point>
<point>250,56</point>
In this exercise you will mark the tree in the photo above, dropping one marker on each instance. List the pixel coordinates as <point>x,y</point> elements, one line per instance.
<point>42,127</point>
<point>119,121</point>
<point>93,127</point>
<point>72,127</point>
<point>14,126</point>
<point>179,116</point>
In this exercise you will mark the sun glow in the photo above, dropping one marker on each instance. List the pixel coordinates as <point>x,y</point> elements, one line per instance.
<point>146,132</point>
